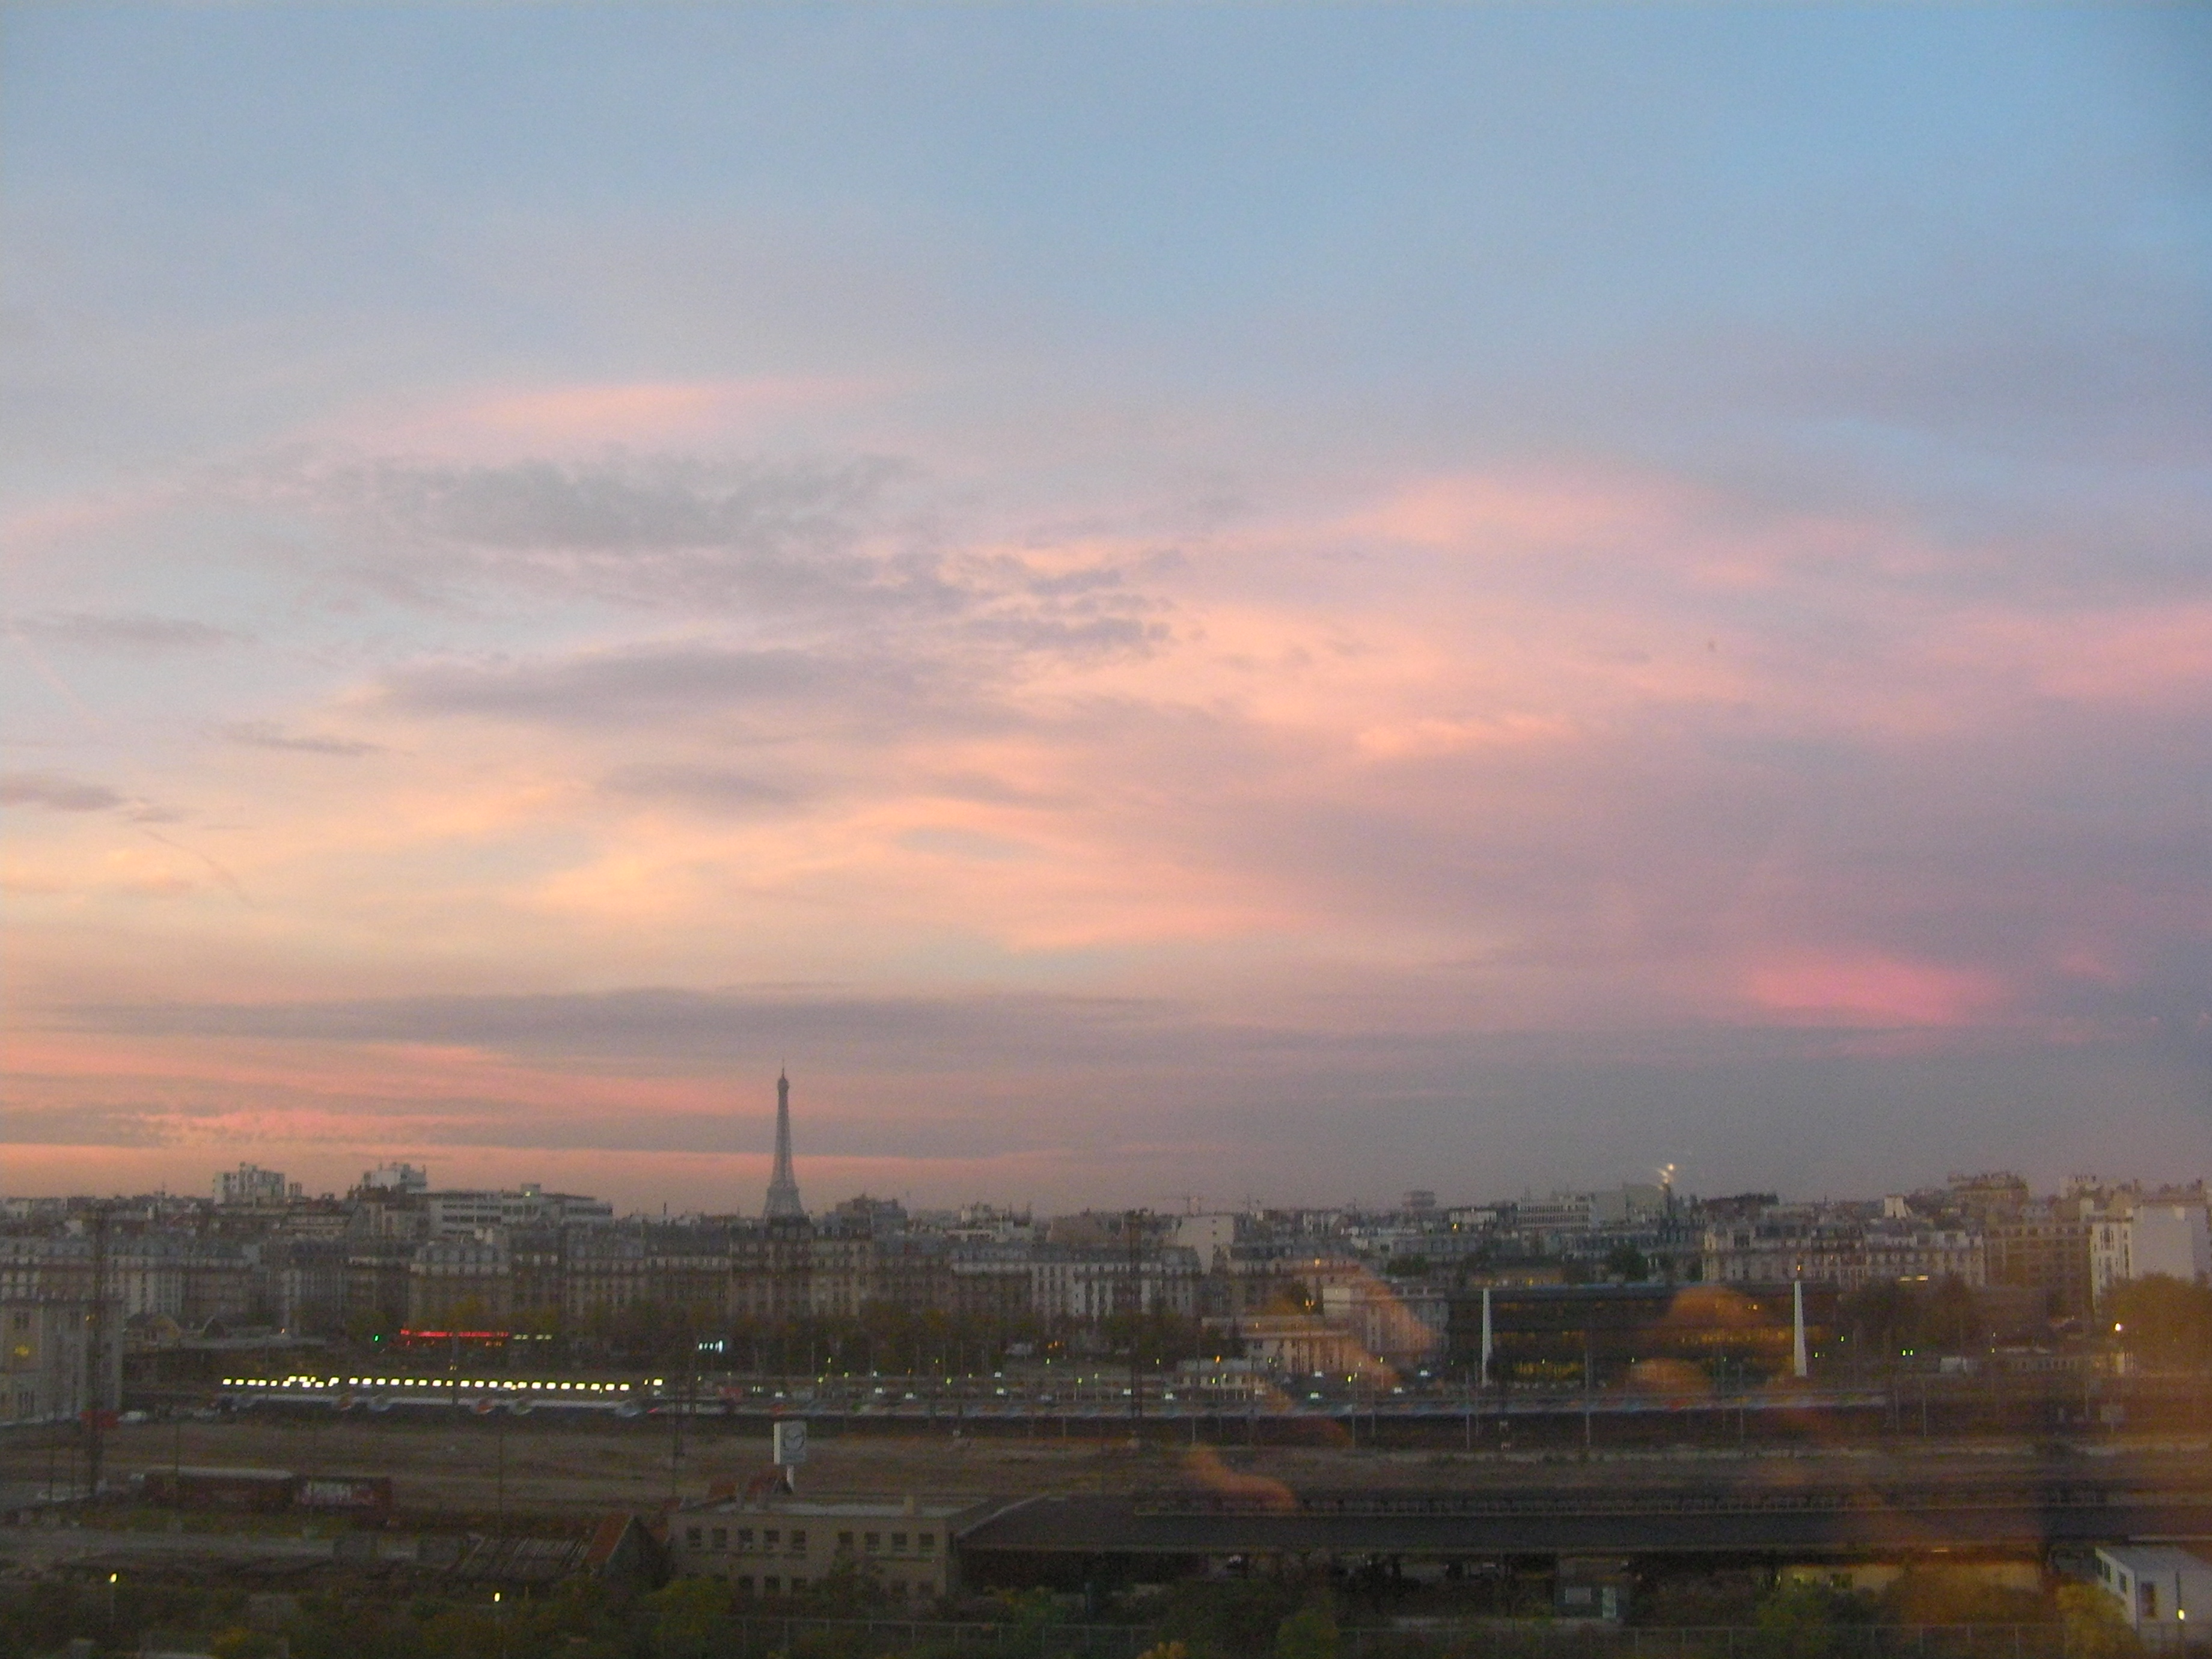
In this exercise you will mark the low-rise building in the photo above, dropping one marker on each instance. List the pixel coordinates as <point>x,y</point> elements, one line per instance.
<point>2162,1590</point>
<point>1303,1344</point>
<point>785,1545</point>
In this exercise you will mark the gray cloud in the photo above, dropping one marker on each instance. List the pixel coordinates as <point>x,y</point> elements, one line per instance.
<point>87,1126</point>
<point>671,1023</point>
<point>57,793</point>
<point>842,548</point>
<point>703,788</point>
<point>685,683</point>
<point>267,734</point>
<point>780,539</point>
<point>94,630</point>
<point>625,505</point>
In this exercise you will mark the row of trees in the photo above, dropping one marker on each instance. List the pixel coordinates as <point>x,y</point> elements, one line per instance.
<point>2167,1321</point>
<point>1261,1617</point>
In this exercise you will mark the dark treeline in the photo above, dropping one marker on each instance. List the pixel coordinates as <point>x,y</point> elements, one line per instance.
<point>1256,1617</point>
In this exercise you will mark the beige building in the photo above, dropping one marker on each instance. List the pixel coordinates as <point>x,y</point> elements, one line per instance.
<point>1778,1248</point>
<point>783,1545</point>
<point>43,1374</point>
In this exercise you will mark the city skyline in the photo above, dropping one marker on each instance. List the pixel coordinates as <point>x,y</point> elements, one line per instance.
<point>250,1182</point>
<point>1310,603</point>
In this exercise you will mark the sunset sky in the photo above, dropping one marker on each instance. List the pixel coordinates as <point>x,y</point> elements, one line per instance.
<point>1167,603</point>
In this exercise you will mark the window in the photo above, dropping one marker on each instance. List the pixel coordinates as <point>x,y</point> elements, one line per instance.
<point>928,1542</point>
<point>797,1583</point>
<point>898,1542</point>
<point>721,1538</point>
<point>769,1539</point>
<point>772,1584</point>
<point>747,1584</point>
<point>798,1545</point>
<point>845,1540</point>
<point>745,1538</point>
<point>898,1586</point>
<point>2149,1591</point>
<point>875,1542</point>
<point>692,1537</point>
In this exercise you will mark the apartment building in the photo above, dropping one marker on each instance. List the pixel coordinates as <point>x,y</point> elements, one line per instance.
<point>44,1348</point>
<point>2146,1238</point>
<point>1781,1246</point>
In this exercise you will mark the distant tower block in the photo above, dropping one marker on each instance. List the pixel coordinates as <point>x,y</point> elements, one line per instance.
<point>783,1203</point>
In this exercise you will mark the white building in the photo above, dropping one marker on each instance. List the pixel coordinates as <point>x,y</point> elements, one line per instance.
<point>2153,1238</point>
<point>457,1213</point>
<point>249,1184</point>
<point>1072,1282</point>
<point>1628,1206</point>
<point>1214,1235</point>
<point>2162,1591</point>
<point>397,1178</point>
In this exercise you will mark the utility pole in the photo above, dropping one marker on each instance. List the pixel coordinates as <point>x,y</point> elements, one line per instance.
<point>1588,1385</point>
<point>95,1349</point>
<point>676,1440</point>
<point>1485,1336</point>
<point>1133,1224</point>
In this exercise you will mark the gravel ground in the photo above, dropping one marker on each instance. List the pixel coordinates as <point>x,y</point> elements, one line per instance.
<point>456,1468</point>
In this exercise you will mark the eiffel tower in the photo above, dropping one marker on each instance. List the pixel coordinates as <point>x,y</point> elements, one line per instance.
<point>783,1203</point>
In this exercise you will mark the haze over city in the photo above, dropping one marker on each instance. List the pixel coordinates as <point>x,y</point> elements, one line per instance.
<point>1240,602</point>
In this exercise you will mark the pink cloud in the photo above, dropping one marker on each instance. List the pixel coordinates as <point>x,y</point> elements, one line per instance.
<point>1881,990</point>
<point>1539,509</point>
<point>524,421</point>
